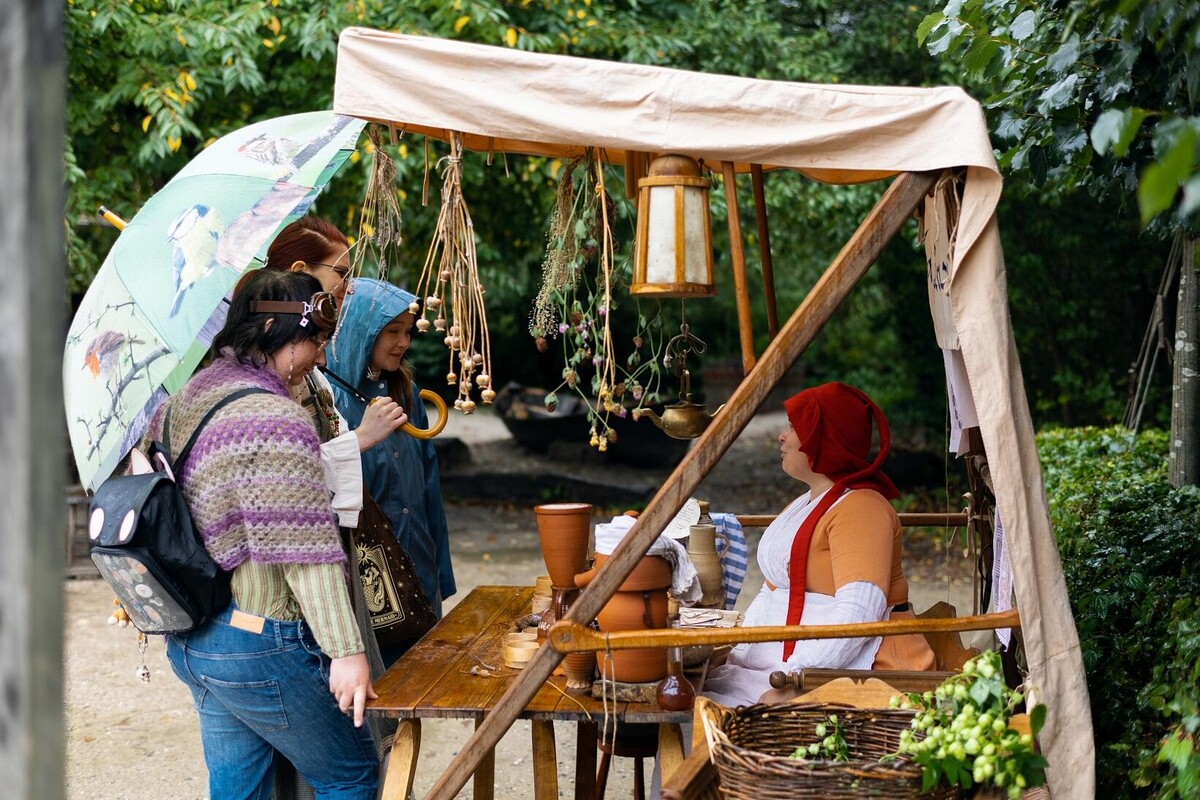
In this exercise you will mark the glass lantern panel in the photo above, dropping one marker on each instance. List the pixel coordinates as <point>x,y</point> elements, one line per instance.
<point>660,237</point>
<point>694,222</point>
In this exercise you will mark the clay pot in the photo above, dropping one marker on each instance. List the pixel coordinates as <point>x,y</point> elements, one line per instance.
<point>652,572</point>
<point>631,611</point>
<point>579,668</point>
<point>640,604</point>
<point>563,530</point>
<point>702,549</point>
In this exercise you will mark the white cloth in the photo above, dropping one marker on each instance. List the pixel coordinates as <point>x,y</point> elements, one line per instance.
<point>958,393</point>
<point>342,466</point>
<point>746,674</point>
<point>1001,578</point>
<point>685,581</point>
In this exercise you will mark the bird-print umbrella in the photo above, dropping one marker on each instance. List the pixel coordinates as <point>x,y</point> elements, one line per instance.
<point>161,295</point>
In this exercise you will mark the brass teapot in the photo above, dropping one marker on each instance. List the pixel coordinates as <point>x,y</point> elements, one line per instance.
<point>682,420</point>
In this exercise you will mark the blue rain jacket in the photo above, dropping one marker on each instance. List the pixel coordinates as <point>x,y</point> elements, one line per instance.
<point>402,471</point>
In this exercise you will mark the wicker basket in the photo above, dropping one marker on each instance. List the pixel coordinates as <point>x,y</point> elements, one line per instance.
<point>750,747</point>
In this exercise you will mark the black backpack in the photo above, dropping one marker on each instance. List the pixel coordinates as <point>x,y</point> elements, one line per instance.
<point>148,550</point>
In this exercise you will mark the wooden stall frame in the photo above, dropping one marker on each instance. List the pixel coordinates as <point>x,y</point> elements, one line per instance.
<point>882,223</point>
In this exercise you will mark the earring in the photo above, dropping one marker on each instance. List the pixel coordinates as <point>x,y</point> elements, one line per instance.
<point>291,362</point>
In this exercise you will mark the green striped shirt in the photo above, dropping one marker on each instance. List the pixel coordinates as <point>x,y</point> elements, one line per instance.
<point>316,593</point>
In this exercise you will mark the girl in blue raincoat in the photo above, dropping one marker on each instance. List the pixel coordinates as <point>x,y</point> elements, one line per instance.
<point>401,472</point>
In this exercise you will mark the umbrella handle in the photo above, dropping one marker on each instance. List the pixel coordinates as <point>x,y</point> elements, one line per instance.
<point>436,428</point>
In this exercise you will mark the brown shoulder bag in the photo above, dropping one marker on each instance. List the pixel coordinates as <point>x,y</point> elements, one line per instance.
<point>395,601</point>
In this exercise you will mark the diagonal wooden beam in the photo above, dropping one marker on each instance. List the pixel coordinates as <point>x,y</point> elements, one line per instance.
<point>843,273</point>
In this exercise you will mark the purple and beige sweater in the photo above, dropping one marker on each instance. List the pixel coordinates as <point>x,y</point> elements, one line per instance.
<point>256,490</point>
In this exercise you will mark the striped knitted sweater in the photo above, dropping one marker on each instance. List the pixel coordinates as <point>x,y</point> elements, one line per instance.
<point>253,481</point>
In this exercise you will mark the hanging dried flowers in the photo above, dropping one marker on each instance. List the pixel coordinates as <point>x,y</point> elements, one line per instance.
<point>452,291</point>
<point>379,223</point>
<point>576,302</point>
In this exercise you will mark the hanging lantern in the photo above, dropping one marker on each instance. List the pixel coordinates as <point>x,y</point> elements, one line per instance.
<point>673,252</point>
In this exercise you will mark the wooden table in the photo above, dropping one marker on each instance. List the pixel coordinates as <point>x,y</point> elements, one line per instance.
<point>457,672</point>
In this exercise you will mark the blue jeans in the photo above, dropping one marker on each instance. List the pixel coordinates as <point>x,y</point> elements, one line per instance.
<point>260,692</point>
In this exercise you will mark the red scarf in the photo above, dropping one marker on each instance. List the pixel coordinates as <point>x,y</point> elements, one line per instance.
<point>833,422</point>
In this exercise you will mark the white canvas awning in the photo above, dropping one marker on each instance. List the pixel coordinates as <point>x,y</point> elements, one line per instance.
<point>504,100</point>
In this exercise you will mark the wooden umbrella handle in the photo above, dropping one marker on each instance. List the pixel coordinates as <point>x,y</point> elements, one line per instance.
<point>436,428</point>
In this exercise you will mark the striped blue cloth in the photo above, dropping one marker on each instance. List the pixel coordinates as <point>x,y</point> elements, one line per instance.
<point>733,560</point>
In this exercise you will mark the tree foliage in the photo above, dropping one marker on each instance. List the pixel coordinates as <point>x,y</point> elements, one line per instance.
<point>152,81</point>
<point>1101,93</point>
<point>1129,549</point>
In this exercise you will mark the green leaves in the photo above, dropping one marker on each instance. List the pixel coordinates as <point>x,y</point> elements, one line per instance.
<point>1115,128</point>
<point>1117,72</point>
<point>1108,490</point>
<point>1162,179</point>
<point>1023,26</point>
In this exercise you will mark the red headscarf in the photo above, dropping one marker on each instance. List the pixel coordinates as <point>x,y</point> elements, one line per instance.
<point>833,423</point>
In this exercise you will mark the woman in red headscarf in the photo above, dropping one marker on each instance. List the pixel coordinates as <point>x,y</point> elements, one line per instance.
<point>832,556</point>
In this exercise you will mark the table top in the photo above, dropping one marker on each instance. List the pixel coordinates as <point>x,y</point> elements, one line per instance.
<point>434,678</point>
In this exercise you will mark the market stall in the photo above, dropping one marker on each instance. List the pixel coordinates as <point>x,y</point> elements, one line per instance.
<point>495,100</point>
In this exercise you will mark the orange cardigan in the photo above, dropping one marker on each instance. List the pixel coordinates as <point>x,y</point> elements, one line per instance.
<point>859,540</point>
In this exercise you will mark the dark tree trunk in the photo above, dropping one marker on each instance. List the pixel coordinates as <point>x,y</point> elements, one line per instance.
<point>32,511</point>
<point>1185,379</point>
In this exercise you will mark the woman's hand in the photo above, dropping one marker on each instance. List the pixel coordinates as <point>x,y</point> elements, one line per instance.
<point>382,417</point>
<point>350,683</point>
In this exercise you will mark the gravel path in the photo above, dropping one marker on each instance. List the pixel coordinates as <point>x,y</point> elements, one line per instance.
<point>127,740</point>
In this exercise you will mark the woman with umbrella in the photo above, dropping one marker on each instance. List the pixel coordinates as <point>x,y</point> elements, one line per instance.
<point>402,472</point>
<point>258,671</point>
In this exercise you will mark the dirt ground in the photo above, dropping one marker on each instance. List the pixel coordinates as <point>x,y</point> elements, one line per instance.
<point>128,740</point>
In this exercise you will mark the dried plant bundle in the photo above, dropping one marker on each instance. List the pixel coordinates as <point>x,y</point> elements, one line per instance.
<point>453,291</point>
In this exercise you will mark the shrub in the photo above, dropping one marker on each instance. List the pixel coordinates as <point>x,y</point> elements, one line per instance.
<point>1130,547</point>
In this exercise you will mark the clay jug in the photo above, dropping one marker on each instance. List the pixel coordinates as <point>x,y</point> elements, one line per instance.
<point>640,604</point>
<point>563,530</point>
<point>706,558</point>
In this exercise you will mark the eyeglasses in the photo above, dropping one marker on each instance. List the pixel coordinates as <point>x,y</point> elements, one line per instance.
<point>322,310</point>
<point>341,271</point>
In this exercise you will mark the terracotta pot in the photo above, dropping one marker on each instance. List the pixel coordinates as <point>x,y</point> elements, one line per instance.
<point>563,530</point>
<point>706,558</point>
<point>579,668</point>
<point>652,572</point>
<point>630,611</point>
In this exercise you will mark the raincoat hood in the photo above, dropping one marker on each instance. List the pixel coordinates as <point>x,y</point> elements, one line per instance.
<point>370,305</point>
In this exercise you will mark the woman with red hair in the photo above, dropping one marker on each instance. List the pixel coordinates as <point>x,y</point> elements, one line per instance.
<point>832,556</point>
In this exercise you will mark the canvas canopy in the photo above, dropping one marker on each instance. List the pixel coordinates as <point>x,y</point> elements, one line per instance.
<point>503,100</point>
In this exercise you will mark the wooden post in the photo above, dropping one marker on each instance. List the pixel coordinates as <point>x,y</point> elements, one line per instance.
<point>737,254</point>
<point>764,250</point>
<point>1185,374</point>
<point>847,268</point>
<point>32,512</point>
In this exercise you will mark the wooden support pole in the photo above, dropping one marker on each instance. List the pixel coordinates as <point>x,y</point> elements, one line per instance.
<point>847,268</point>
<point>737,254</point>
<point>32,512</point>
<point>567,636</point>
<point>908,520</point>
<point>764,249</point>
